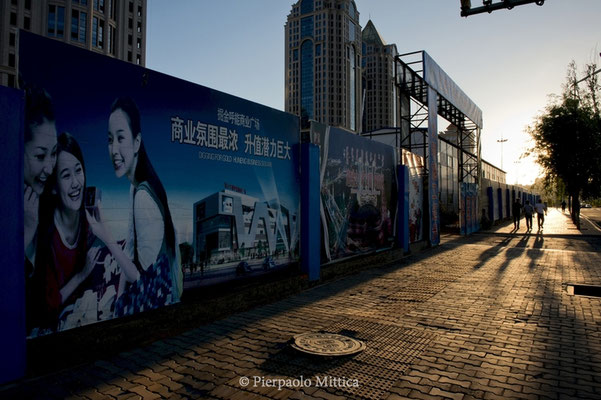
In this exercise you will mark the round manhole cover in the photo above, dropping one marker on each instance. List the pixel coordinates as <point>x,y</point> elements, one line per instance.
<point>327,344</point>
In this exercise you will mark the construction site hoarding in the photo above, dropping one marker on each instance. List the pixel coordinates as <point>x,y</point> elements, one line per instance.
<point>358,192</point>
<point>138,184</point>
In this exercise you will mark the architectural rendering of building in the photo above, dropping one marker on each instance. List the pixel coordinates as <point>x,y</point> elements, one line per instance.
<point>323,63</point>
<point>231,225</point>
<point>380,109</point>
<point>115,28</point>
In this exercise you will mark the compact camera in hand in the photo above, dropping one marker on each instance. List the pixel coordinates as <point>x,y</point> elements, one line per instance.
<point>92,198</point>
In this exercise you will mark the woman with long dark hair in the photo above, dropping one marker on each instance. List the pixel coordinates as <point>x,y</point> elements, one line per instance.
<point>38,165</point>
<point>151,273</point>
<point>64,258</point>
<point>39,160</point>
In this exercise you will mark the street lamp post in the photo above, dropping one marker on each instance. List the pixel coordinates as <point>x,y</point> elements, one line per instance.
<point>501,141</point>
<point>518,167</point>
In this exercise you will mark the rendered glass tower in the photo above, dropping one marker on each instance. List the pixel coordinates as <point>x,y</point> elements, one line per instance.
<point>323,63</point>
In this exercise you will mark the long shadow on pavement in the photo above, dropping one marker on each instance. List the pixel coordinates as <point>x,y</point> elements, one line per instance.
<point>185,360</point>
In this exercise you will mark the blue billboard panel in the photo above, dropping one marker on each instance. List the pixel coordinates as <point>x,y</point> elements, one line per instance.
<point>469,208</point>
<point>12,286</point>
<point>358,192</point>
<point>433,201</point>
<point>415,165</point>
<point>141,185</point>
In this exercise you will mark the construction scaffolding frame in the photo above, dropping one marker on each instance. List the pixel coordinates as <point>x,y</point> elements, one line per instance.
<point>409,78</point>
<point>424,92</point>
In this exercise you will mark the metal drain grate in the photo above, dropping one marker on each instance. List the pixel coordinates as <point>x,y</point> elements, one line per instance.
<point>327,344</point>
<point>389,351</point>
<point>574,289</point>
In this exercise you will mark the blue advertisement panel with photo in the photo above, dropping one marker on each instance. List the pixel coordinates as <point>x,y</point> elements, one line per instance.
<point>358,192</point>
<point>138,185</point>
<point>433,200</point>
<point>469,204</point>
<point>415,164</point>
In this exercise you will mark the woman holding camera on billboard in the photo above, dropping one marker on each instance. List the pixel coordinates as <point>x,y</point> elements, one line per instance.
<point>150,270</point>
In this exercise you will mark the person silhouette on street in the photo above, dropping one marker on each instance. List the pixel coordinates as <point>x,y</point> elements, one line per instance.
<point>540,214</point>
<point>517,211</point>
<point>528,211</point>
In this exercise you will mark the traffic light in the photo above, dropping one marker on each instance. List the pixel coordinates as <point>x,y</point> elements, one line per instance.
<point>488,6</point>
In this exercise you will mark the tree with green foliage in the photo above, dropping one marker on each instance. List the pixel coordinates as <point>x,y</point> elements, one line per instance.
<point>567,138</point>
<point>552,190</point>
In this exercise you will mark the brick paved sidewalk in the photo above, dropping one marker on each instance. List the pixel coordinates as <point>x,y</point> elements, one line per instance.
<point>474,318</point>
<point>556,223</point>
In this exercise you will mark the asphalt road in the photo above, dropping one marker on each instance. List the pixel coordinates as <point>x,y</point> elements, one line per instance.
<point>593,214</point>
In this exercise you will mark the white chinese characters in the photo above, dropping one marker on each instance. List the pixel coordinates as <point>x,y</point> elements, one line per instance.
<point>211,136</point>
<point>263,146</point>
<point>203,135</point>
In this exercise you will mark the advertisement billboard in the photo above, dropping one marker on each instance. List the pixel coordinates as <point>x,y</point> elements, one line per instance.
<point>138,185</point>
<point>433,200</point>
<point>442,83</point>
<point>358,192</point>
<point>415,164</point>
<point>469,204</point>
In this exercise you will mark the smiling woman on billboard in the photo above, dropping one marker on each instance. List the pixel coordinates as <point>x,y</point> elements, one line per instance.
<point>151,274</point>
<point>64,257</point>
<point>171,149</point>
<point>38,164</point>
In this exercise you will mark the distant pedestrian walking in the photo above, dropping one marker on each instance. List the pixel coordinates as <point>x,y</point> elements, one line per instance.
<point>528,211</point>
<point>563,206</point>
<point>484,221</point>
<point>517,211</point>
<point>540,214</point>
